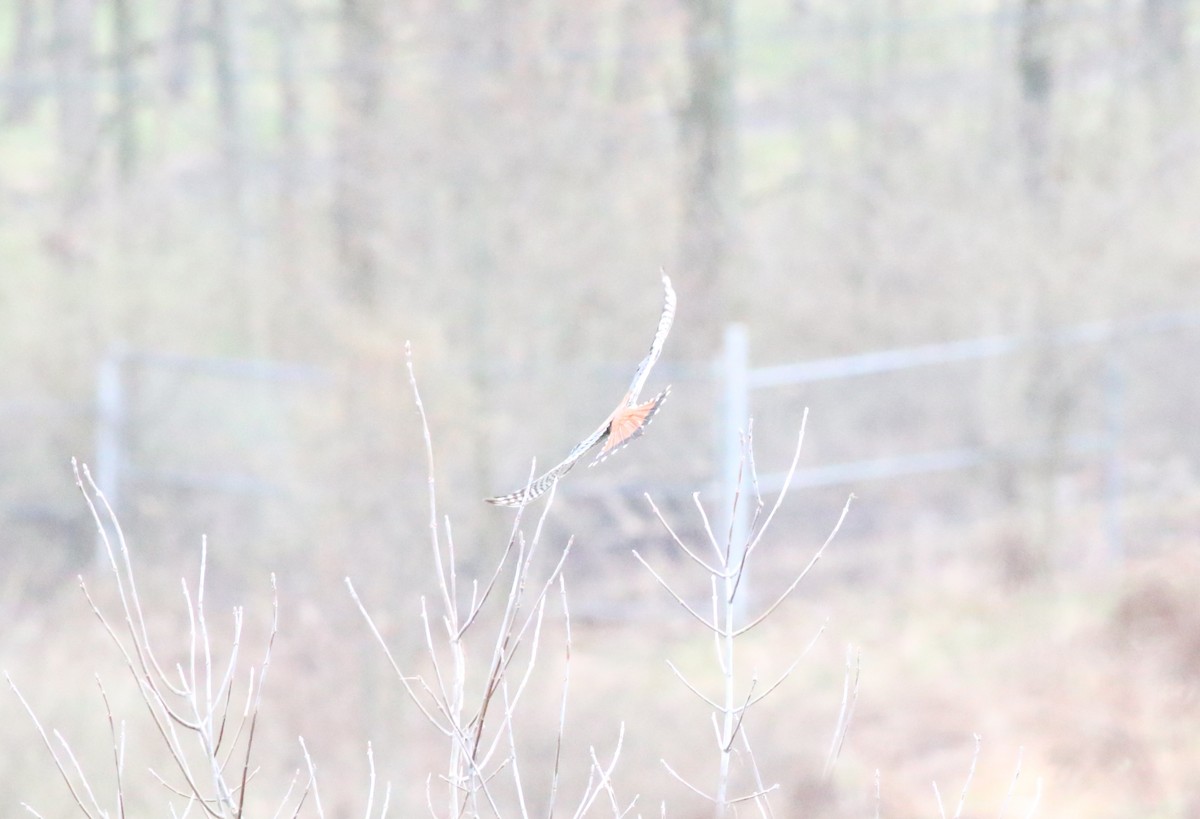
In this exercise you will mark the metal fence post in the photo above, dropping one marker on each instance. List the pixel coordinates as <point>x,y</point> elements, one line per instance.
<point>735,406</point>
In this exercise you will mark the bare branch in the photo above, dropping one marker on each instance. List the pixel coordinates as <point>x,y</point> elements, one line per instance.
<point>1037,798</point>
<point>1012,786</point>
<point>763,804</point>
<point>46,740</point>
<point>755,795</point>
<point>433,512</point>
<point>878,794</point>
<point>118,748</point>
<point>287,794</point>
<point>66,746</point>
<point>692,688</point>
<point>685,783</point>
<point>405,681</point>
<point>712,539</point>
<point>741,715</point>
<point>262,675</point>
<point>602,786</point>
<point>562,711</point>
<point>788,671</point>
<point>962,800</point>
<point>671,592</point>
<point>683,546</point>
<point>312,780</point>
<point>849,699</point>
<point>801,576</point>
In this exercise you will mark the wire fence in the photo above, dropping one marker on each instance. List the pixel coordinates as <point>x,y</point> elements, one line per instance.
<point>957,452</point>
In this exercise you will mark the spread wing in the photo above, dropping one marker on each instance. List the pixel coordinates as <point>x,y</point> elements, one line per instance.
<point>627,422</point>
<point>541,484</point>
<point>660,336</point>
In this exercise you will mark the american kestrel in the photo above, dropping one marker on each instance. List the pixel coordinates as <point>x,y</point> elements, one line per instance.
<point>628,421</point>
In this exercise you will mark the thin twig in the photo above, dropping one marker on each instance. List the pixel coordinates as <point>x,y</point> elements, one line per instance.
<point>712,538</point>
<point>46,740</point>
<point>370,780</point>
<point>312,779</point>
<point>741,715</point>
<point>764,804</point>
<point>429,477</point>
<point>678,542</point>
<point>66,746</point>
<point>788,671</point>
<point>509,705</point>
<point>878,793</point>
<point>846,713</point>
<point>679,674</point>
<point>685,783</point>
<point>671,591</point>
<point>262,675</point>
<point>287,794</point>
<point>1012,786</point>
<point>405,680</point>
<point>962,800</point>
<point>118,748</point>
<point>1037,798</point>
<point>787,484</point>
<point>770,609</point>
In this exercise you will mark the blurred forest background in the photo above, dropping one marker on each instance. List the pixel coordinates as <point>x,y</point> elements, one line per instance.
<point>220,221</point>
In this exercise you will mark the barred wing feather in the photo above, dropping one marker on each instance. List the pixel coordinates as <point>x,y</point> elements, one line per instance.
<point>660,336</point>
<point>541,484</point>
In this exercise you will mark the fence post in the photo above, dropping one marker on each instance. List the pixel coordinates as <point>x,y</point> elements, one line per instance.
<point>110,428</point>
<point>1114,478</point>
<point>735,412</point>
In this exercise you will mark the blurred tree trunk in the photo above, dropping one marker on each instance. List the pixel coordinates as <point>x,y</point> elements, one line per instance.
<point>74,61</point>
<point>628,75</point>
<point>1164,29</point>
<point>866,184</point>
<point>709,156</point>
<point>1034,45</point>
<point>358,198</point>
<point>22,90</point>
<point>67,241</point>
<point>180,65</point>
<point>292,155</point>
<point>249,281</point>
<point>1047,393</point>
<point>223,36</point>
<point>477,44</point>
<point>1165,23</point>
<point>124,39</point>
<point>1117,127</point>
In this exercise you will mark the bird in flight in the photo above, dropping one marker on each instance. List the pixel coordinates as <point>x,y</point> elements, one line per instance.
<point>628,421</point>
